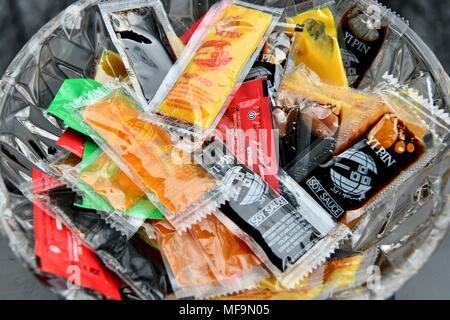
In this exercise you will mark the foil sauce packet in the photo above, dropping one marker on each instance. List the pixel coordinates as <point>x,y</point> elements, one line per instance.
<point>59,252</point>
<point>246,128</point>
<point>362,34</point>
<point>145,40</point>
<point>198,89</point>
<point>208,260</point>
<point>279,234</point>
<point>317,46</point>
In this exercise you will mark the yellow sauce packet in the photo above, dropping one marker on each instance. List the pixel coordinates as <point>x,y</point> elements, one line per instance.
<point>203,89</point>
<point>317,46</point>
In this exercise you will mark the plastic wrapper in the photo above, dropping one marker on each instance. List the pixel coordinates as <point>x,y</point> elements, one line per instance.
<point>290,240</point>
<point>182,190</point>
<point>317,46</point>
<point>208,260</point>
<point>145,40</point>
<point>140,269</point>
<point>128,225</point>
<point>103,186</point>
<point>108,189</point>
<point>197,90</point>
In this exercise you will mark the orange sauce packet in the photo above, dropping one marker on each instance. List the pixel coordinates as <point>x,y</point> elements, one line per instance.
<point>146,150</point>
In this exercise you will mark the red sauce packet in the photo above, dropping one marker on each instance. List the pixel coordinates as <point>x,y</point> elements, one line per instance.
<point>62,254</point>
<point>247,129</point>
<point>72,141</point>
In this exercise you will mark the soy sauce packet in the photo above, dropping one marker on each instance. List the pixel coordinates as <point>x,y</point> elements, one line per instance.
<point>365,30</point>
<point>355,181</point>
<point>145,40</point>
<point>290,234</point>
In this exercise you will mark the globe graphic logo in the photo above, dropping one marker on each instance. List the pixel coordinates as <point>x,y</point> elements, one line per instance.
<point>253,187</point>
<point>352,173</point>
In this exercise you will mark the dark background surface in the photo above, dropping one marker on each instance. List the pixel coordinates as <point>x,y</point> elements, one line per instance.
<point>20,19</point>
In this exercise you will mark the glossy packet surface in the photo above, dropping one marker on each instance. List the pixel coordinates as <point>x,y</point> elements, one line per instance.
<point>145,40</point>
<point>208,260</point>
<point>62,178</point>
<point>197,90</point>
<point>290,240</point>
<point>183,191</point>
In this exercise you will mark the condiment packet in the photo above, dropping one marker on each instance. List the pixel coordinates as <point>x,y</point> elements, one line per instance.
<point>289,233</point>
<point>182,190</point>
<point>317,46</point>
<point>198,89</point>
<point>61,253</point>
<point>145,40</point>
<point>246,128</point>
<point>147,278</point>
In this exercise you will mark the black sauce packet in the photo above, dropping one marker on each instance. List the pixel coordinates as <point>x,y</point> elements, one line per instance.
<point>276,227</point>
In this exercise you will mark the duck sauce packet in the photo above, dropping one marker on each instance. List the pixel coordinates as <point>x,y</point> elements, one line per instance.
<point>145,40</point>
<point>197,90</point>
<point>109,189</point>
<point>290,237</point>
<point>208,260</point>
<point>246,128</point>
<point>183,191</point>
<point>59,252</point>
<point>317,46</point>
